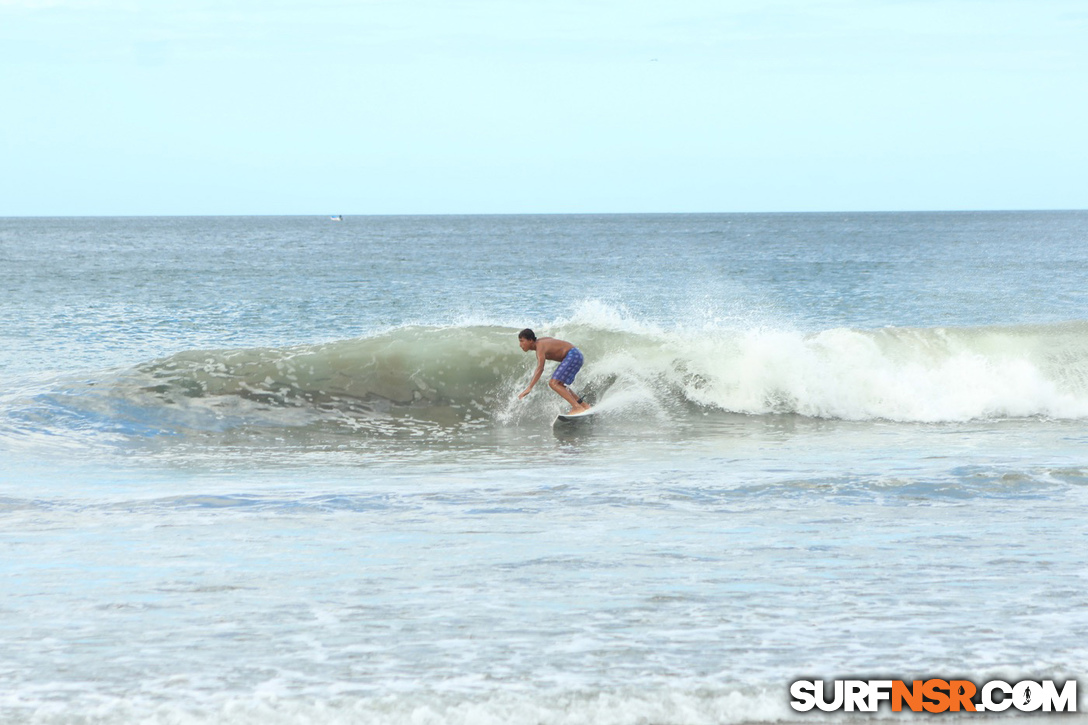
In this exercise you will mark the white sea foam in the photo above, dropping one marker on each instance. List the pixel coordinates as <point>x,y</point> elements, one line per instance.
<point>910,375</point>
<point>268,706</point>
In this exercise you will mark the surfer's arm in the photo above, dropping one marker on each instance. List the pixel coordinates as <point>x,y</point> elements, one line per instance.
<point>537,374</point>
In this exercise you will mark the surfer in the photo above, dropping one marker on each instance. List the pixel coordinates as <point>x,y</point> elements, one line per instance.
<point>570,362</point>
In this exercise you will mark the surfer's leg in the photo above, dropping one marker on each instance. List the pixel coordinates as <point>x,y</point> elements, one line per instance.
<point>568,395</point>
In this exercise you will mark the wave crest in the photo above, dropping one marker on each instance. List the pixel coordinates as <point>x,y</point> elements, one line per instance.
<point>900,374</point>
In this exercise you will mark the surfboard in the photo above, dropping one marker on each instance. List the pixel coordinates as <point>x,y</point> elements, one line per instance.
<point>564,418</point>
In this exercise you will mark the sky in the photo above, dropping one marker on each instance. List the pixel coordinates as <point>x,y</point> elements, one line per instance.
<point>224,107</point>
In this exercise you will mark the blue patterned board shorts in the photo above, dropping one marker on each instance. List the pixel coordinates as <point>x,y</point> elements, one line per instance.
<point>570,366</point>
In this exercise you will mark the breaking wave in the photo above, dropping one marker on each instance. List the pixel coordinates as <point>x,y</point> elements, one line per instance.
<point>443,379</point>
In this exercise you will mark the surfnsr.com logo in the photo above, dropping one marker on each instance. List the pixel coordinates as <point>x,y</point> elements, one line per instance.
<point>934,696</point>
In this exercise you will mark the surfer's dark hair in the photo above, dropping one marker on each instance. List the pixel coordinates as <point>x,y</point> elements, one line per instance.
<point>527,334</point>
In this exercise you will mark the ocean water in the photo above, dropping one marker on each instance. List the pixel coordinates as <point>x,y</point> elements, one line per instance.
<point>273,470</point>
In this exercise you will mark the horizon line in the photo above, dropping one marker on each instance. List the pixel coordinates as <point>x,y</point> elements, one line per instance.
<point>539,214</point>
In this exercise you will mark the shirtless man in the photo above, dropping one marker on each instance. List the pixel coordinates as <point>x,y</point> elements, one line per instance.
<point>570,362</point>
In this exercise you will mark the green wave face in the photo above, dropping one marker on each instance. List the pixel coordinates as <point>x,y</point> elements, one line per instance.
<point>412,365</point>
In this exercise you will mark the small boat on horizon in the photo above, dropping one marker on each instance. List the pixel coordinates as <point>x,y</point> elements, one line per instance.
<point>337,218</point>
